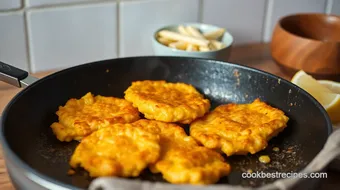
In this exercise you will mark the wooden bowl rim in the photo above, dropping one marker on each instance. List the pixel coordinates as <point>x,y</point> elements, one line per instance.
<point>296,69</point>
<point>307,14</point>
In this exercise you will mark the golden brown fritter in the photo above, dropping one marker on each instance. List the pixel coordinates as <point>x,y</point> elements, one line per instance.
<point>167,102</point>
<point>239,128</point>
<point>80,117</point>
<point>191,165</point>
<point>117,150</point>
<point>182,160</point>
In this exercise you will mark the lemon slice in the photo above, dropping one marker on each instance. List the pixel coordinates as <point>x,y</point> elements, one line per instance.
<point>324,91</point>
<point>333,86</point>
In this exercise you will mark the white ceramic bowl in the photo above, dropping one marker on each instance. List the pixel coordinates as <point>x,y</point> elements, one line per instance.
<point>221,54</point>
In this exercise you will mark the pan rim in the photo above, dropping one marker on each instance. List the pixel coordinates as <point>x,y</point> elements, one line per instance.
<point>29,170</point>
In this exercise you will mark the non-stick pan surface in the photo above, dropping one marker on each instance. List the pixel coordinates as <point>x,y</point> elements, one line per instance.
<point>28,139</point>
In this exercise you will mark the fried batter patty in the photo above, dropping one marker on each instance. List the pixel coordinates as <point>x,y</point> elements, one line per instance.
<point>81,117</point>
<point>239,128</point>
<point>182,160</point>
<point>117,150</point>
<point>167,102</point>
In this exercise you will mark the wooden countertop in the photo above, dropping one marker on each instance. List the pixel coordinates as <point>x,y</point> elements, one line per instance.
<point>253,55</point>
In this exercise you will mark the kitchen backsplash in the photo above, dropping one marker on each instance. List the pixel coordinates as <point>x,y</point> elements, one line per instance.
<point>38,35</point>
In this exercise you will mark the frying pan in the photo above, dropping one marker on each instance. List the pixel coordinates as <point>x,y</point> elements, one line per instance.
<point>35,159</point>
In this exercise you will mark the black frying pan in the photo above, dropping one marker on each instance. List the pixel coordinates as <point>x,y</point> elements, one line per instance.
<point>35,157</point>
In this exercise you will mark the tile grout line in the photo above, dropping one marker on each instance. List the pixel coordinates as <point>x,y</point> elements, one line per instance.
<point>23,4</point>
<point>11,10</point>
<point>118,28</point>
<point>28,52</point>
<point>60,5</point>
<point>28,49</point>
<point>328,7</point>
<point>200,11</point>
<point>267,20</point>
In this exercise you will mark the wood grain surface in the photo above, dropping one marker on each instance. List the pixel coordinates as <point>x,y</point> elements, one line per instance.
<point>253,55</point>
<point>309,42</point>
<point>7,92</point>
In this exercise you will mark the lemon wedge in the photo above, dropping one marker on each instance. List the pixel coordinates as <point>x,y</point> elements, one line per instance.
<point>325,91</point>
<point>331,85</point>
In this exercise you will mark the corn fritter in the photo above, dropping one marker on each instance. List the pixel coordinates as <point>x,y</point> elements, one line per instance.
<point>239,128</point>
<point>167,102</point>
<point>80,117</point>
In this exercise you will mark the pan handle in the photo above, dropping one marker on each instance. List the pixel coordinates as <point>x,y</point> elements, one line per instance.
<point>15,76</point>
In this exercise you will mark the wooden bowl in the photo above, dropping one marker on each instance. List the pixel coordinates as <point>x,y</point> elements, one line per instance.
<point>309,42</point>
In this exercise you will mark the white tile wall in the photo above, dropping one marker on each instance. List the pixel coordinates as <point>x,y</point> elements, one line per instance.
<point>243,18</point>
<point>31,3</point>
<point>13,40</point>
<point>64,37</point>
<point>10,4</point>
<point>335,7</point>
<point>279,8</point>
<point>64,33</point>
<point>138,21</point>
